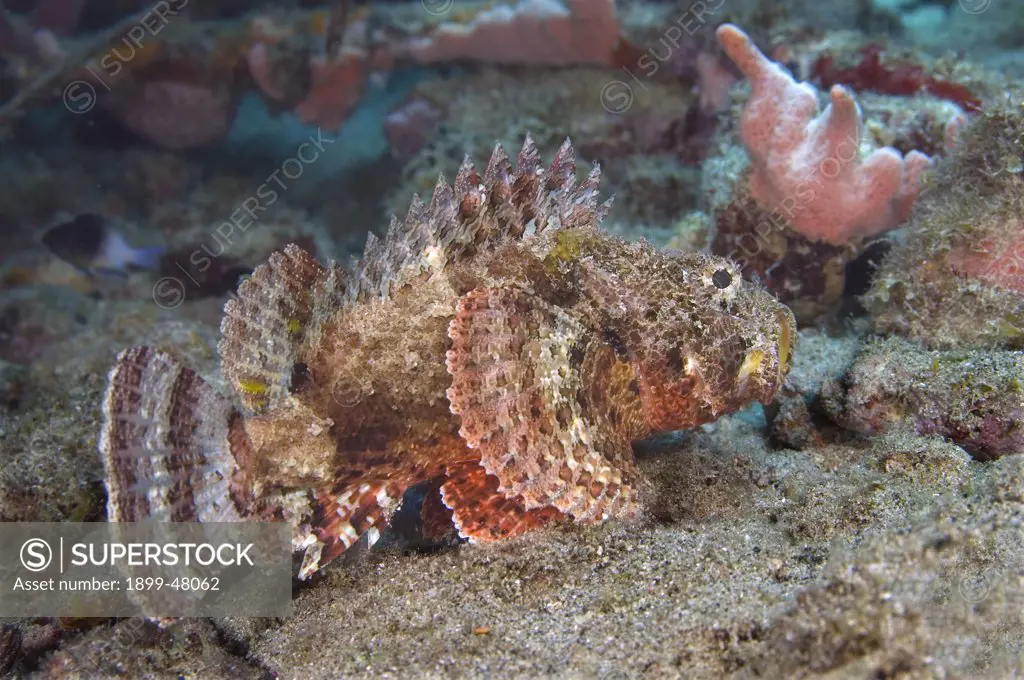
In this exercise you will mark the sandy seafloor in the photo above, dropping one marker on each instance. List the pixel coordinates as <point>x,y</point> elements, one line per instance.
<point>890,556</point>
<point>897,556</point>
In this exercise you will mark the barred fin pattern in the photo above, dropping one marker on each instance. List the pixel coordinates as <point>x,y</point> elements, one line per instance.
<point>173,449</point>
<point>264,328</point>
<point>481,513</point>
<point>340,520</point>
<point>435,516</point>
<point>517,381</point>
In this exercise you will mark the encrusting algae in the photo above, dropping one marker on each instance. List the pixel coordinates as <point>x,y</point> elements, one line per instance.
<point>957,279</point>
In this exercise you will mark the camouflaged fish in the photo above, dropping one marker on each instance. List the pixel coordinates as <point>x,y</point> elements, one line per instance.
<point>495,349</point>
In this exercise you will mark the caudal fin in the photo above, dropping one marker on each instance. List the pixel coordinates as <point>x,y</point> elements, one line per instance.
<point>147,258</point>
<point>173,449</point>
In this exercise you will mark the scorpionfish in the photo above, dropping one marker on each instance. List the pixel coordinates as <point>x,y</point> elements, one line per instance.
<point>496,350</point>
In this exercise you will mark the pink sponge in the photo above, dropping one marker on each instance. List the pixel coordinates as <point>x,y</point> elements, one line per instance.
<point>538,32</point>
<point>807,165</point>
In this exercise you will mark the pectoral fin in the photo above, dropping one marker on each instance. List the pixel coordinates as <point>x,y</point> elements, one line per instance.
<point>536,398</point>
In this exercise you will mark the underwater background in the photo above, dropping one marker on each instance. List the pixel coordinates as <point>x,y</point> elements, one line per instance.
<point>862,160</point>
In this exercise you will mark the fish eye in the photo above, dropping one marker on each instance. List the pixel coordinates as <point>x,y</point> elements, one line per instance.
<point>721,278</point>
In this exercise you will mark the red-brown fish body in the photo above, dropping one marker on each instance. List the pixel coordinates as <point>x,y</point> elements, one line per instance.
<point>496,346</point>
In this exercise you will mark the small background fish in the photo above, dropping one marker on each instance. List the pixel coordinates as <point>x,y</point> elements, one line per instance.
<point>90,243</point>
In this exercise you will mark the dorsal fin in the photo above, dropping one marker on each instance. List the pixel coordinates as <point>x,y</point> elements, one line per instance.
<point>498,168</point>
<point>562,173</point>
<point>504,203</point>
<point>529,158</point>
<point>466,178</point>
<point>443,195</point>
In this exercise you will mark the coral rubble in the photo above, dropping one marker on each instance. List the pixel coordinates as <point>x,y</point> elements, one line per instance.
<point>973,398</point>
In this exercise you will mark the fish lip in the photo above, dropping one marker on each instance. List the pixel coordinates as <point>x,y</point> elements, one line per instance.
<point>786,342</point>
<point>761,382</point>
<point>765,380</point>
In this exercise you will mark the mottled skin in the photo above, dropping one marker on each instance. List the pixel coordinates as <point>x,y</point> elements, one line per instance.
<point>682,338</point>
<point>497,345</point>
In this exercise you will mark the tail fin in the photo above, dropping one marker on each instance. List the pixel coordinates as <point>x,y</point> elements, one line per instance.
<point>147,258</point>
<point>118,256</point>
<point>173,449</point>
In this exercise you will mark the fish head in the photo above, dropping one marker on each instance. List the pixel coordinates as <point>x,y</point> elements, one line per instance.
<point>702,340</point>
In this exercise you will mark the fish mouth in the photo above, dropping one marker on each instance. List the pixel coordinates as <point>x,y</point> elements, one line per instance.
<point>758,377</point>
<point>750,368</point>
<point>787,334</point>
<point>764,368</point>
